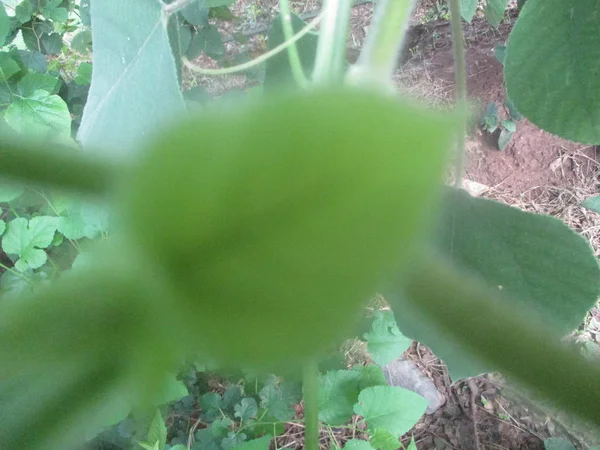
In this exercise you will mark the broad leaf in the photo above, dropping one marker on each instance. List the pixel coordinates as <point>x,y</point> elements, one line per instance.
<point>467,9</point>
<point>8,66</point>
<point>262,443</point>
<point>391,408</point>
<point>494,11</point>
<point>232,440</point>
<point>279,401</point>
<point>207,40</point>
<point>515,252</point>
<point>84,73</point>
<point>82,42</point>
<point>370,375</point>
<point>55,12</point>
<point>211,404</point>
<point>196,13</point>
<point>34,81</point>
<point>132,57</point>
<point>566,100</point>
<point>338,392</point>
<point>40,115</point>
<point>357,444</point>
<point>27,239</point>
<point>23,11</point>
<point>34,60</point>
<point>4,25</point>
<point>592,203</point>
<point>382,439</point>
<point>504,138</point>
<point>247,409</point>
<point>231,396</point>
<point>157,434</point>
<point>385,342</point>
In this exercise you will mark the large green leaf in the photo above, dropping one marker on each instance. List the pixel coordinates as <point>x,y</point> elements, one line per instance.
<point>338,392</point>
<point>278,69</point>
<point>566,99</point>
<point>4,24</point>
<point>494,11</point>
<point>39,115</point>
<point>28,239</point>
<point>54,11</point>
<point>132,59</point>
<point>532,258</point>
<point>34,81</point>
<point>8,66</point>
<point>391,408</point>
<point>385,342</point>
<point>196,13</point>
<point>298,207</point>
<point>467,9</point>
<point>279,400</point>
<point>382,439</point>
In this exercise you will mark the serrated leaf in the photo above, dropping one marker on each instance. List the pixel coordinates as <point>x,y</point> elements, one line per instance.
<point>494,11</point>
<point>207,40</point>
<point>246,409</point>
<point>233,440</point>
<point>467,9</point>
<point>40,116</point>
<point>592,203</point>
<point>27,239</point>
<point>357,444</point>
<point>196,13</point>
<point>391,408</point>
<point>211,404</point>
<point>382,439</point>
<point>262,443</point>
<point>84,73</point>
<point>4,25</point>
<point>231,396</point>
<point>385,342</point>
<point>515,252</point>
<point>338,392</point>
<point>8,66</point>
<point>566,101</point>
<point>157,434</point>
<point>122,104</point>
<point>34,81</point>
<point>504,139</point>
<point>279,400</point>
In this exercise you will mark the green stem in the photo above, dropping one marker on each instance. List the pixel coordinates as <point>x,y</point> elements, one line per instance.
<point>518,344</point>
<point>331,50</point>
<point>460,81</point>
<point>379,57</point>
<point>256,61</point>
<point>288,34</point>
<point>311,406</point>
<point>37,164</point>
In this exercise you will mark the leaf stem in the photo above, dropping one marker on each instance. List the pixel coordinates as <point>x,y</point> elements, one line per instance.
<point>379,56</point>
<point>288,34</point>
<point>311,406</point>
<point>518,344</point>
<point>256,61</point>
<point>460,82</point>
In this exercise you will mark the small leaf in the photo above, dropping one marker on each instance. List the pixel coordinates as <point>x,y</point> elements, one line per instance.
<point>82,42</point>
<point>196,13</point>
<point>209,41</point>
<point>157,434</point>
<point>592,203</point>
<point>211,404</point>
<point>391,408</point>
<point>494,11</point>
<point>412,445</point>
<point>500,52</point>
<point>40,115</point>
<point>382,439</point>
<point>262,443</point>
<point>247,409</point>
<point>504,139</point>
<point>53,11</point>
<point>357,444</point>
<point>8,66</point>
<point>27,239</point>
<point>558,444</point>
<point>512,110</point>
<point>385,342</point>
<point>510,125</point>
<point>279,400</point>
<point>34,81</point>
<point>84,73</point>
<point>231,396</point>
<point>24,11</point>
<point>467,9</point>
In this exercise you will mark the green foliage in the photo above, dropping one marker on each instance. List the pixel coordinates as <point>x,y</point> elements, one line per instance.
<point>494,11</point>
<point>557,444</point>
<point>565,103</point>
<point>385,341</point>
<point>592,203</point>
<point>467,9</point>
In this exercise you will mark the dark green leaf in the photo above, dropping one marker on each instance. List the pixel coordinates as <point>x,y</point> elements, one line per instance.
<point>82,42</point>
<point>8,66</point>
<point>34,60</point>
<point>185,38</point>
<point>494,11</point>
<point>51,44</point>
<point>262,443</point>
<point>207,40</point>
<point>221,13</point>
<point>370,375</point>
<point>231,396</point>
<point>247,409</point>
<point>280,400</point>
<point>4,24</point>
<point>39,115</point>
<point>84,12</point>
<point>385,342</point>
<point>565,102</point>
<point>123,104</point>
<point>23,11</point>
<point>211,404</point>
<point>232,440</point>
<point>34,81</point>
<point>467,9</point>
<point>55,12</point>
<point>84,73</point>
<point>196,13</point>
<point>504,138</point>
<point>592,203</point>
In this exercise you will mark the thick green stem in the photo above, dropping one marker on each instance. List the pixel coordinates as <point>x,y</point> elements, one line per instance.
<point>311,406</point>
<point>460,82</point>
<point>33,163</point>
<point>288,34</point>
<point>514,342</point>
<point>331,51</point>
<point>379,56</point>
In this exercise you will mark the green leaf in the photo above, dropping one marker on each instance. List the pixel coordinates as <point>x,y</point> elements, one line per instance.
<point>157,434</point>
<point>10,191</point>
<point>357,444</point>
<point>382,439</point>
<point>247,409</point>
<point>2,227</point>
<point>385,342</point>
<point>211,404</point>
<point>40,115</point>
<point>262,443</point>
<point>173,389</point>
<point>82,42</point>
<point>515,252</point>
<point>500,53</point>
<point>53,11</point>
<point>24,11</point>
<point>467,9</point>
<point>565,102</point>
<point>78,221</point>
<point>279,401</point>
<point>185,37</point>
<point>278,70</point>
<point>512,110</point>
<point>370,375</point>
<point>84,73</point>
<point>207,40</point>
<point>34,81</point>
<point>8,66</point>
<point>27,239</point>
<point>592,203</point>
<point>123,104</point>
<point>494,11</point>
<point>221,13</point>
<point>34,61</point>
<point>558,444</point>
<point>196,13</point>
<point>264,274</point>
<point>232,440</point>
<point>391,408</point>
<point>4,24</point>
<point>412,445</point>
<point>338,392</point>
<point>217,3</point>
<point>50,43</point>
<point>231,396</point>
<point>504,138</point>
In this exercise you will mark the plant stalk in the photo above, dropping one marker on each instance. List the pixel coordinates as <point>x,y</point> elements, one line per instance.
<point>292,49</point>
<point>379,57</point>
<point>519,345</point>
<point>311,406</point>
<point>460,82</point>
